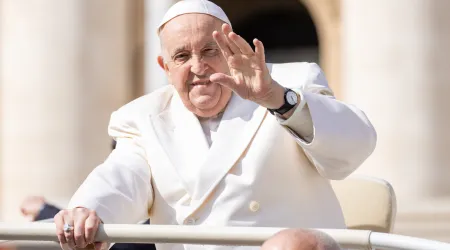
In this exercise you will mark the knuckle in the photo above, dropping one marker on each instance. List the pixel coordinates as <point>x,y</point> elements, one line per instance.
<point>90,228</point>
<point>78,237</point>
<point>79,210</point>
<point>93,213</point>
<point>90,233</point>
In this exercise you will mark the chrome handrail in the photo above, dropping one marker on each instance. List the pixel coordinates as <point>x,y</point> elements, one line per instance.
<point>204,235</point>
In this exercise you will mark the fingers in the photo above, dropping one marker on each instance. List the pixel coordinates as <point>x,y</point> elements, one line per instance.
<point>226,29</point>
<point>80,215</point>
<point>230,43</point>
<point>259,50</point>
<point>223,79</point>
<point>82,227</point>
<point>236,43</point>
<point>69,234</point>
<point>91,227</point>
<point>65,246</point>
<point>59,222</point>
<point>223,44</point>
<point>244,47</point>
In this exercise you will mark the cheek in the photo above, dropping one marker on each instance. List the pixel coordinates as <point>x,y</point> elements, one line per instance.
<point>178,78</point>
<point>222,67</point>
<point>218,64</point>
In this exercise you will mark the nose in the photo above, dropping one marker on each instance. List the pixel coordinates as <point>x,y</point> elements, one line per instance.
<point>198,66</point>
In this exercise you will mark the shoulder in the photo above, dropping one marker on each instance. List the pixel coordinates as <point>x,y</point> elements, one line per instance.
<point>149,104</point>
<point>128,119</point>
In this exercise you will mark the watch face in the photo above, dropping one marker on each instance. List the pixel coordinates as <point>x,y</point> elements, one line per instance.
<point>291,97</point>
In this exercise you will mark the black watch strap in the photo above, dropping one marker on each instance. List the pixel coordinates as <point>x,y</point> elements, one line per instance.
<point>286,106</point>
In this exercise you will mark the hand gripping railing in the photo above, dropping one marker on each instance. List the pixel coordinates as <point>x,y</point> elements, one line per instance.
<point>244,236</point>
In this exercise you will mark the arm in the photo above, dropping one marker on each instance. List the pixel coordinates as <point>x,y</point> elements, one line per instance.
<point>336,137</point>
<point>119,190</point>
<point>47,211</point>
<point>37,208</point>
<point>342,137</point>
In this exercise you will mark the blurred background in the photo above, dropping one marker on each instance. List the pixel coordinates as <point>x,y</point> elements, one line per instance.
<point>65,65</point>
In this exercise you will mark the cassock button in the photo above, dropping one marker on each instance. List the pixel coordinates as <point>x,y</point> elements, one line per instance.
<point>189,221</point>
<point>254,206</point>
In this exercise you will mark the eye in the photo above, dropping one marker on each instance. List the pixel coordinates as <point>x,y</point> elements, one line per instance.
<point>210,52</point>
<point>182,57</point>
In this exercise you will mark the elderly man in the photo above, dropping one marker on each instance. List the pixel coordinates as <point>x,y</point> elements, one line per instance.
<point>232,141</point>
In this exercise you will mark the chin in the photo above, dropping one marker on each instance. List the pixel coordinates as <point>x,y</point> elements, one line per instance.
<point>205,114</point>
<point>206,109</point>
<point>205,102</point>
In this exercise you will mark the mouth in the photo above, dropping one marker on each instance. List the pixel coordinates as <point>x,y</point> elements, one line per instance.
<point>200,83</point>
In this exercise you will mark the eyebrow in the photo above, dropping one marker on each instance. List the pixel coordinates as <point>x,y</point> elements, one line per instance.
<point>184,47</point>
<point>212,43</point>
<point>179,49</point>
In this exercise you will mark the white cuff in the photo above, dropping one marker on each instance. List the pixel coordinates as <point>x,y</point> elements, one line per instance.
<point>300,121</point>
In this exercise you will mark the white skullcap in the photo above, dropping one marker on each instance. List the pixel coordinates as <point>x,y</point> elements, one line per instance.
<point>194,6</point>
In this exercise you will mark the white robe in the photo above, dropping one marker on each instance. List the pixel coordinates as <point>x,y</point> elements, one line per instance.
<point>259,171</point>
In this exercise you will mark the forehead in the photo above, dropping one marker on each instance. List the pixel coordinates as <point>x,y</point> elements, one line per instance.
<point>189,29</point>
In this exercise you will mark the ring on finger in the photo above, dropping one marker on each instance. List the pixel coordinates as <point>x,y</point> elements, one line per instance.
<point>68,228</point>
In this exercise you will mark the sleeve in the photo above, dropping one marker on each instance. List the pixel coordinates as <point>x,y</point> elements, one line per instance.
<point>300,121</point>
<point>336,137</point>
<point>119,190</point>
<point>48,211</point>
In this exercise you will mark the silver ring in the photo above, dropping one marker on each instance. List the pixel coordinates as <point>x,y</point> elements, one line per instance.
<point>68,228</point>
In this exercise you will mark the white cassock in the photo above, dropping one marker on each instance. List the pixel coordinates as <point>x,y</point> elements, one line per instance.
<point>251,169</point>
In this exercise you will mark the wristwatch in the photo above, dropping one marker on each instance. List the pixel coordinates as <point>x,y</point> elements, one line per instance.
<point>290,100</point>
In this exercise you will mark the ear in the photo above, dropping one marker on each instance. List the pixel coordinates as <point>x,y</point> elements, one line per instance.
<point>161,63</point>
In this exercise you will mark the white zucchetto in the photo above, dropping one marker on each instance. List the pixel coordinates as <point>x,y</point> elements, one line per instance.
<point>194,6</point>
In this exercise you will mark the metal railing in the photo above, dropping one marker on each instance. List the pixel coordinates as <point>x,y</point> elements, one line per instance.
<point>243,236</point>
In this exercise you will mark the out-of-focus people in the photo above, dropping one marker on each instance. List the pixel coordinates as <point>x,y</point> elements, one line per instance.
<point>36,208</point>
<point>6,246</point>
<point>298,239</point>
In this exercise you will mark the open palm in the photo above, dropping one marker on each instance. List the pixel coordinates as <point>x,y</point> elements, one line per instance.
<point>249,76</point>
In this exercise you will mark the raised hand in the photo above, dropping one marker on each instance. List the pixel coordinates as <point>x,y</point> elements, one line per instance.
<point>249,76</point>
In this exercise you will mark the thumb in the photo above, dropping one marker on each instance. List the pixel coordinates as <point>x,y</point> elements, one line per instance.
<point>223,79</point>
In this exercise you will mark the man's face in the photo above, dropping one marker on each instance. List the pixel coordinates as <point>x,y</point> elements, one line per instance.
<point>190,56</point>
